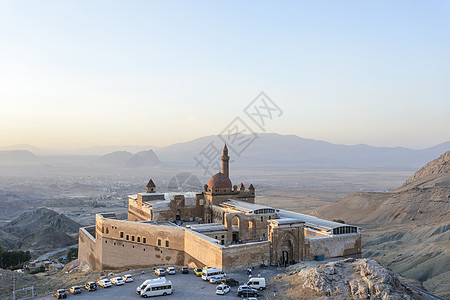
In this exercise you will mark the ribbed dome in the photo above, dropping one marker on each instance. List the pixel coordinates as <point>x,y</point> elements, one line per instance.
<point>219,181</point>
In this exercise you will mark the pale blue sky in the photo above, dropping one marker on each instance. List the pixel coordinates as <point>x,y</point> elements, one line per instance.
<point>83,73</point>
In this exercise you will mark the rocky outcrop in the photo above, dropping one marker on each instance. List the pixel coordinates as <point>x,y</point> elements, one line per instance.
<point>353,279</point>
<point>439,166</point>
<point>76,266</point>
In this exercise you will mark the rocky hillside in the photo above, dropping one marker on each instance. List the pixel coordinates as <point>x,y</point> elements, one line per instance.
<point>418,205</point>
<point>29,221</point>
<point>44,239</point>
<point>434,173</point>
<point>39,230</point>
<point>347,279</point>
<point>420,253</point>
<point>408,229</point>
<point>424,198</point>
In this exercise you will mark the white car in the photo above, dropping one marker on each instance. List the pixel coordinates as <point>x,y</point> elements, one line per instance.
<point>104,283</point>
<point>127,278</point>
<point>117,281</point>
<point>215,279</point>
<point>222,289</point>
<point>171,271</point>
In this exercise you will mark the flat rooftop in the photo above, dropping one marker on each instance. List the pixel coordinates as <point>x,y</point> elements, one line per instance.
<point>250,208</point>
<point>311,221</point>
<point>284,221</point>
<point>189,198</point>
<point>207,227</point>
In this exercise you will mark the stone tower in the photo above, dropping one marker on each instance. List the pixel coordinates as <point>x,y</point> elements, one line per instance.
<point>150,187</point>
<point>225,162</point>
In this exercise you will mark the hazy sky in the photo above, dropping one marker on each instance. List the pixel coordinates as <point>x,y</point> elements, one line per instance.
<point>83,73</point>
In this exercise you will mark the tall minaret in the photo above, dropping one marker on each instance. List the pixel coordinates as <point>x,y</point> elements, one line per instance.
<point>225,160</point>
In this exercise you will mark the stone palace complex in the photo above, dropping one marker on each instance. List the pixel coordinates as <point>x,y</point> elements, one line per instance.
<point>221,227</point>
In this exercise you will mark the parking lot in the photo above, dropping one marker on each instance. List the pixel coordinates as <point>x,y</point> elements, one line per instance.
<point>185,286</point>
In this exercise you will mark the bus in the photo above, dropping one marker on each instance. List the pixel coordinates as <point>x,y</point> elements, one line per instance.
<point>157,288</point>
<point>208,273</point>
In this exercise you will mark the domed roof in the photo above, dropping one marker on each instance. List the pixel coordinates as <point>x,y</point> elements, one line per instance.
<point>219,181</point>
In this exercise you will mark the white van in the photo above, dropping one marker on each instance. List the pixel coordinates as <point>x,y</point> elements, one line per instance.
<point>147,282</point>
<point>157,288</point>
<point>208,273</point>
<point>257,283</point>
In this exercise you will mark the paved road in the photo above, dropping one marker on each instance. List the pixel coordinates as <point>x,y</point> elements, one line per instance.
<point>47,255</point>
<point>186,286</point>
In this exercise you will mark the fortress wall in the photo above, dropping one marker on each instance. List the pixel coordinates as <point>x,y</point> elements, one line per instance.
<point>201,250</point>
<point>118,252</point>
<point>243,255</point>
<point>141,233</point>
<point>333,246</point>
<point>87,250</point>
<point>137,211</point>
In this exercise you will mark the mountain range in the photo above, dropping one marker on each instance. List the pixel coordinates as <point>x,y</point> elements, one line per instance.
<point>268,149</point>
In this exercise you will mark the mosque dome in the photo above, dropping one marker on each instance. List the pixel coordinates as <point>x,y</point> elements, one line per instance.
<point>219,181</point>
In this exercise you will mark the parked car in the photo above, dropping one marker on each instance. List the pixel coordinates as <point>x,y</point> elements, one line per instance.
<point>215,279</point>
<point>117,281</point>
<point>127,278</point>
<point>230,281</point>
<point>198,272</point>
<point>105,283</point>
<point>60,294</point>
<point>207,267</point>
<point>246,291</point>
<point>222,289</point>
<point>75,289</point>
<point>184,270</point>
<point>171,271</point>
<point>160,272</point>
<point>90,286</point>
<point>257,283</point>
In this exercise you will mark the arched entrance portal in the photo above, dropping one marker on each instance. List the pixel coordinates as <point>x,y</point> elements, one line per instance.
<point>284,258</point>
<point>287,250</point>
<point>178,215</point>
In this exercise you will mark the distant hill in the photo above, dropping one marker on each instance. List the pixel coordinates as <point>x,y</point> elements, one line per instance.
<point>27,222</point>
<point>126,159</point>
<point>45,239</point>
<point>118,158</point>
<point>143,159</point>
<point>32,222</point>
<point>18,157</point>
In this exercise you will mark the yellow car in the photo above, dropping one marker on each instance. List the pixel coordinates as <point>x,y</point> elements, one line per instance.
<point>207,267</point>
<point>198,272</point>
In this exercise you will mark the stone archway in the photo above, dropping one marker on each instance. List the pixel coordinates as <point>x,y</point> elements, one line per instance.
<point>178,215</point>
<point>236,228</point>
<point>287,249</point>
